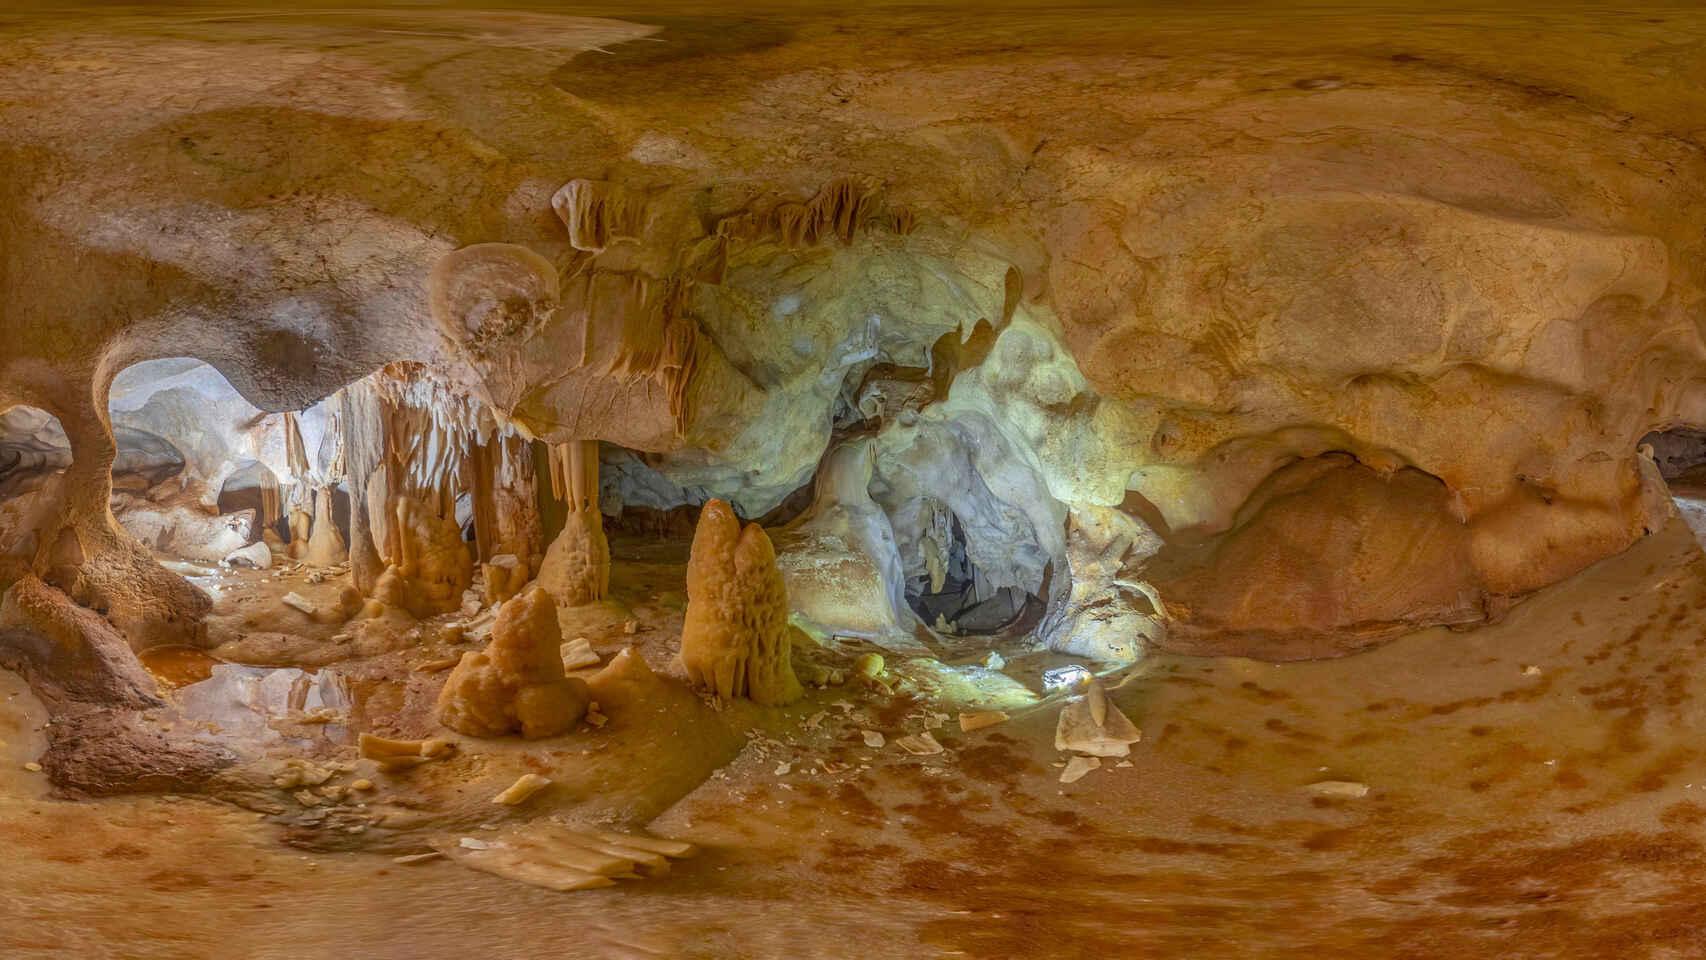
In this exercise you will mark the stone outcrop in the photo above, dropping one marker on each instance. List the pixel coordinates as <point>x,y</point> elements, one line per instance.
<point>69,654</point>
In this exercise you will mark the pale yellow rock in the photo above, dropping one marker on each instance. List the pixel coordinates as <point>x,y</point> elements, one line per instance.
<point>1091,725</point>
<point>1077,767</point>
<point>980,719</point>
<point>522,790</point>
<point>578,654</point>
<point>401,754</point>
<point>734,637</point>
<point>919,744</point>
<point>1344,789</point>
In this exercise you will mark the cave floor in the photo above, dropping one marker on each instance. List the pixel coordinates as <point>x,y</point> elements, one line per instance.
<point>1537,789</point>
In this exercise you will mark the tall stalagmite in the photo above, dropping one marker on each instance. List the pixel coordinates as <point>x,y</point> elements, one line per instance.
<point>734,640</point>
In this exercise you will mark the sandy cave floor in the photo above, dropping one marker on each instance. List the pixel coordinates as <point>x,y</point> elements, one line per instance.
<point>1538,789</point>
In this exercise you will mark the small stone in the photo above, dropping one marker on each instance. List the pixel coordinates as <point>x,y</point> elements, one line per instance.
<point>257,555</point>
<point>1345,789</point>
<point>363,785</point>
<point>1531,671</point>
<point>782,769</point>
<point>470,843</point>
<point>919,744</point>
<point>873,739</point>
<point>1077,767</point>
<point>981,719</point>
<point>297,601</point>
<point>522,790</point>
<point>578,653</point>
<point>631,627</point>
<point>33,767</point>
<point>417,857</point>
<point>869,665</point>
<point>994,661</point>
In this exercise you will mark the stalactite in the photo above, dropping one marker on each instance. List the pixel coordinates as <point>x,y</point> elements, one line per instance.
<point>361,444</point>
<point>295,451</point>
<point>598,213</point>
<point>842,208</point>
<point>272,502</point>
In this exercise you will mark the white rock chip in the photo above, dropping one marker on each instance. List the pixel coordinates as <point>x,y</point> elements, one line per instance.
<point>1077,767</point>
<point>297,601</point>
<point>257,555</point>
<point>578,653</point>
<point>1347,789</point>
<point>1092,725</point>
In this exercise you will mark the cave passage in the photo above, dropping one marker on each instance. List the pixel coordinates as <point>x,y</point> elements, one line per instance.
<point>891,481</point>
<point>952,595</point>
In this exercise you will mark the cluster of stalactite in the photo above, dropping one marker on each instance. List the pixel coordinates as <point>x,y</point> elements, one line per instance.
<point>413,445</point>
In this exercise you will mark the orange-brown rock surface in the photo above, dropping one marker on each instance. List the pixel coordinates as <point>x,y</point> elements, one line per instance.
<point>1201,249</point>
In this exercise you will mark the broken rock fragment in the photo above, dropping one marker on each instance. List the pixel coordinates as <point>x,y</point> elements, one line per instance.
<point>1091,725</point>
<point>919,744</point>
<point>563,858</point>
<point>980,719</point>
<point>256,555</point>
<point>1342,789</point>
<point>522,790</point>
<point>1077,767</point>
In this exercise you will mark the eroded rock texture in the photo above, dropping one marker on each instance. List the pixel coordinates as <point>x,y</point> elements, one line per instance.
<point>734,639</point>
<point>1042,270</point>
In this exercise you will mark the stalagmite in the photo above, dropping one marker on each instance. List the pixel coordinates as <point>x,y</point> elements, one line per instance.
<point>504,577</point>
<point>517,684</point>
<point>734,639</point>
<point>430,568</point>
<point>576,569</point>
<point>325,544</point>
